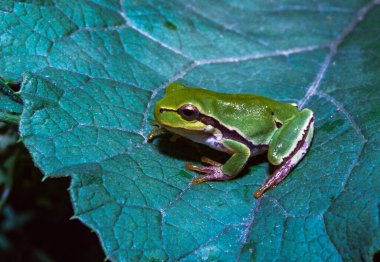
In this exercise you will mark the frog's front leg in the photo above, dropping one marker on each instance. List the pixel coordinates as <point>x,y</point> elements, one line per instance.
<point>287,147</point>
<point>216,171</point>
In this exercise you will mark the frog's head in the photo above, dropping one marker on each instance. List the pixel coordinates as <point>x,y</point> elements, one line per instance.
<point>181,109</point>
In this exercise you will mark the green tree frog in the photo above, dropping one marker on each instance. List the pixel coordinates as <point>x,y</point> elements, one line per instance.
<point>242,125</point>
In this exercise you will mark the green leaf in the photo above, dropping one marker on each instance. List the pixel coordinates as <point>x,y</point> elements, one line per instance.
<point>96,69</point>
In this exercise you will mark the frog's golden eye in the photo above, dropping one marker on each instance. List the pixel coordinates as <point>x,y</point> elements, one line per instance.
<point>188,112</point>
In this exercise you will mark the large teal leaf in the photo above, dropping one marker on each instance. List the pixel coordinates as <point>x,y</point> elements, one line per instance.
<point>95,69</point>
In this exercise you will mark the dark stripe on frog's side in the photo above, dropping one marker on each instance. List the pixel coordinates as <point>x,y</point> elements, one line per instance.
<point>231,134</point>
<point>227,133</point>
<point>300,142</point>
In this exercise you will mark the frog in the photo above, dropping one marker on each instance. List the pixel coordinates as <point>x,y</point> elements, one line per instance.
<point>241,125</point>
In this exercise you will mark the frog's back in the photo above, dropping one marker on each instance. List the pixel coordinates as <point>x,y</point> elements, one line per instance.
<point>254,116</point>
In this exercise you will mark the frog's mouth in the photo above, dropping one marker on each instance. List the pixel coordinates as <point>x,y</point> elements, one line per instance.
<point>192,134</point>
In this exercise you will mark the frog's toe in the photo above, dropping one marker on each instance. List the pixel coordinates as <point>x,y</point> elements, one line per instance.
<point>212,173</point>
<point>151,135</point>
<point>209,161</point>
<point>198,180</point>
<point>192,167</point>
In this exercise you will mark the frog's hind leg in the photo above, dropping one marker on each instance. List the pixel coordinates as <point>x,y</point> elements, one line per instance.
<point>288,146</point>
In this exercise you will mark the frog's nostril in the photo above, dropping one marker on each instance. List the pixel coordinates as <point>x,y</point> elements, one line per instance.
<point>161,110</point>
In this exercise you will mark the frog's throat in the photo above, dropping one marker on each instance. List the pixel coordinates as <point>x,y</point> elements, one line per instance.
<point>227,133</point>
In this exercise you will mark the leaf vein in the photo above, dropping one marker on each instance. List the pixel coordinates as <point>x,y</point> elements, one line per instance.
<point>359,16</point>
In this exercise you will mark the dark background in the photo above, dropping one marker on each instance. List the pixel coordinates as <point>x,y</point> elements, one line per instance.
<point>35,220</point>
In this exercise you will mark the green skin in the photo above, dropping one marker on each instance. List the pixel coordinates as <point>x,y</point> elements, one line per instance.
<point>242,125</point>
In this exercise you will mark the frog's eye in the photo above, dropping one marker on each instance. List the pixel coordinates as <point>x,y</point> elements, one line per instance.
<point>188,112</point>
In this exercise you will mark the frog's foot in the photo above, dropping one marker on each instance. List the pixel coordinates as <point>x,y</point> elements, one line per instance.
<point>278,175</point>
<point>151,135</point>
<point>212,172</point>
